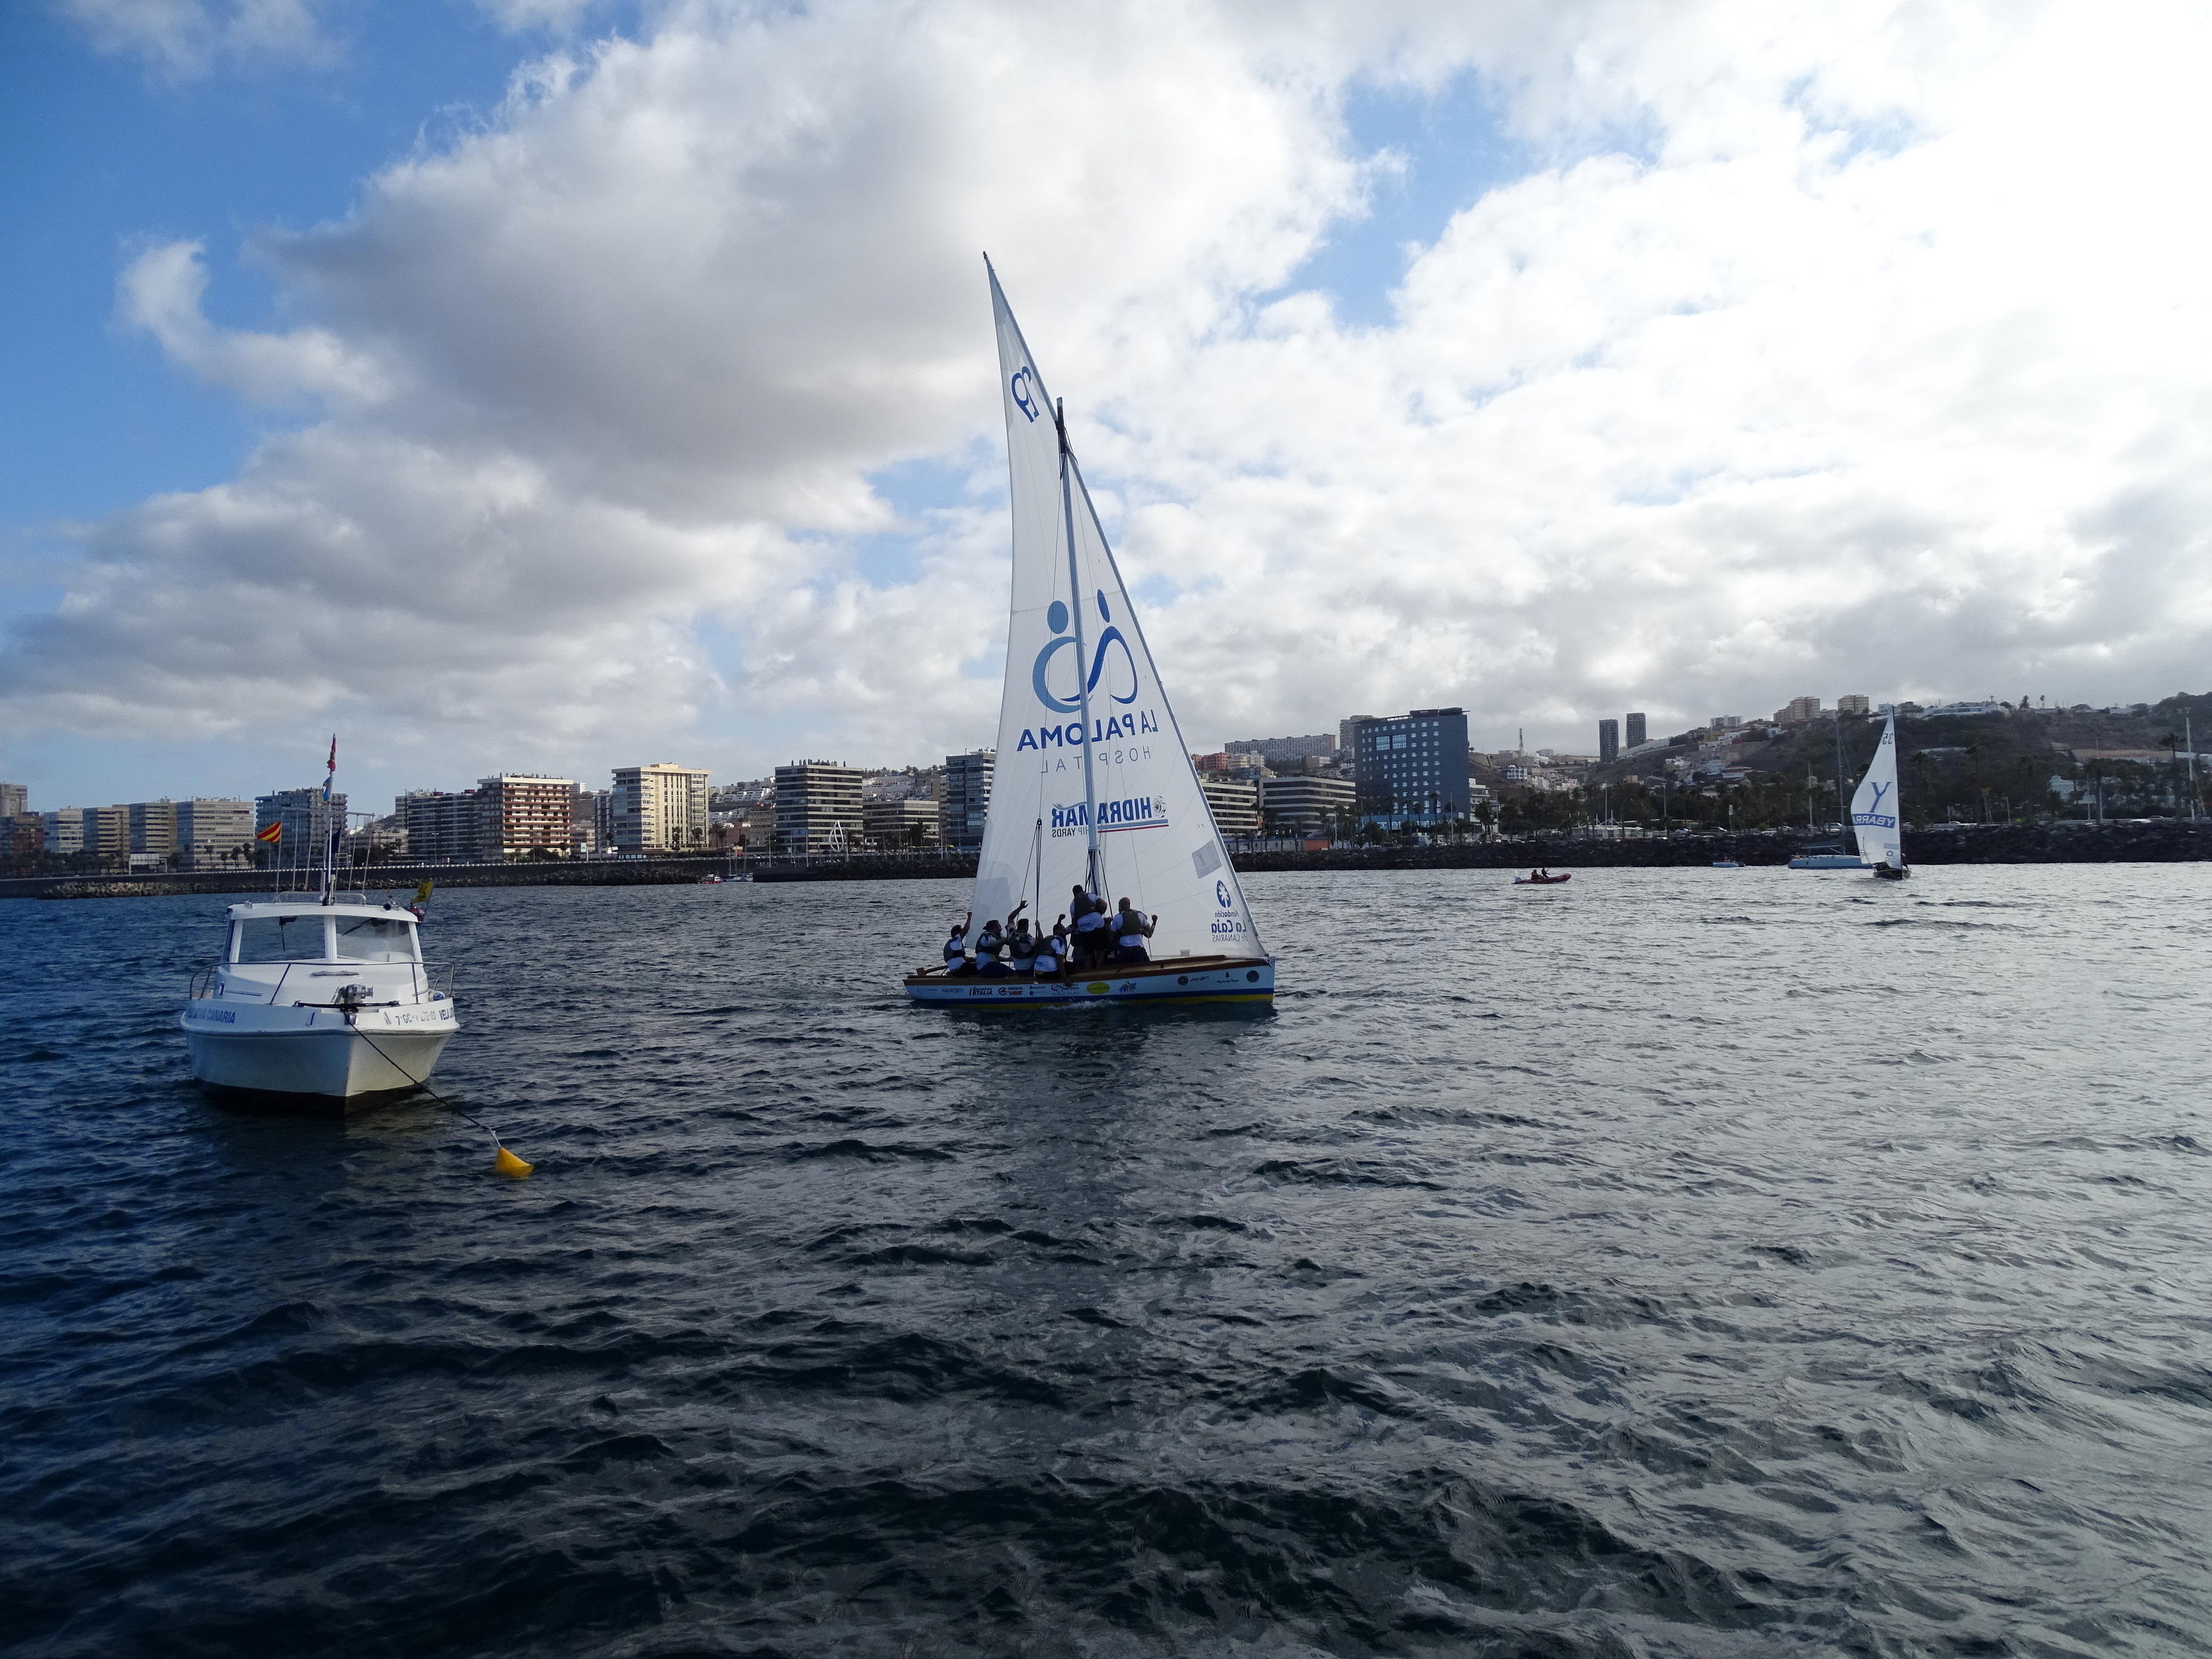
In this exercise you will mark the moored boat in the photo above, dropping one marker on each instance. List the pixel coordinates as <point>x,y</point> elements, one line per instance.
<point>317,1006</point>
<point>1094,786</point>
<point>319,1003</point>
<point>1827,858</point>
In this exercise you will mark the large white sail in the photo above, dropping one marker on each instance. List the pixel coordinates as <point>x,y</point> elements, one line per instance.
<point>1875,812</point>
<point>1090,758</point>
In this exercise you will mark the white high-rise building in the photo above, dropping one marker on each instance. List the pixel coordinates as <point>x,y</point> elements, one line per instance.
<point>214,833</point>
<point>660,808</point>
<point>818,807</point>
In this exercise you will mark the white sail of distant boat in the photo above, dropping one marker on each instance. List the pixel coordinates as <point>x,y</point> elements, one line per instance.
<point>1874,809</point>
<point>1093,785</point>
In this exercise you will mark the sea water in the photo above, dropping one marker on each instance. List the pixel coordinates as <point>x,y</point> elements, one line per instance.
<point>1674,1262</point>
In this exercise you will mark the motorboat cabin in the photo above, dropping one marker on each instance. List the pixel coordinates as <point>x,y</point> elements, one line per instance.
<point>317,1006</point>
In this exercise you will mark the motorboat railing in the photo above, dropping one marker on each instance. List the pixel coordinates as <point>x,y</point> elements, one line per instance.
<point>203,984</point>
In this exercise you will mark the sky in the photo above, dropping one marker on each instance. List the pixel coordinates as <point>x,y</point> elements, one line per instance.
<point>554,384</point>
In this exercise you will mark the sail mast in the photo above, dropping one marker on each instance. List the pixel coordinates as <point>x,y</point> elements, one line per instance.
<point>1091,877</point>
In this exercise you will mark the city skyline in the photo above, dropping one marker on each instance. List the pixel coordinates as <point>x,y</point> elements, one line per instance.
<point>1545,361</point>
<point>1582,740</point>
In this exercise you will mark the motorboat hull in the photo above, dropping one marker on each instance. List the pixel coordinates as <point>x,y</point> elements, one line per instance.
<point>1156,984</point>
<point>311,1061</point>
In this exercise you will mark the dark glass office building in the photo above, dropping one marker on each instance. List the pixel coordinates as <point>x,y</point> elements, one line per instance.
<point>1412,766</point>
<point>1608,740</point>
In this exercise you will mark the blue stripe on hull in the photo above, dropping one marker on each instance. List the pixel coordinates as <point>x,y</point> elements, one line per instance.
<point>1237,984</point>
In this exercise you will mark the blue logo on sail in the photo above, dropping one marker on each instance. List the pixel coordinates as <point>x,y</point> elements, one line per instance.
<point>1056,618</point>
<point>1140,813</point>
<point>1874,816</point>
<point>1024,378</point>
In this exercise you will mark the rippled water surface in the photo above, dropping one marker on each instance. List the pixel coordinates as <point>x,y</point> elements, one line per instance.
<point>1677,1262</point>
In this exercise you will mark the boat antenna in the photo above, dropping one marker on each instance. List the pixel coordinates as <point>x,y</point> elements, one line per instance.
<point>1094,877</point>
<point>327,837</point>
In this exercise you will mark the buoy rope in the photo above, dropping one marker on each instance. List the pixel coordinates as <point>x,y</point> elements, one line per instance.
<point>497,1145</point>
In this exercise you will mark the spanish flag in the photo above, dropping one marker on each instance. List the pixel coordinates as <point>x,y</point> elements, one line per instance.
<point>274,832</point>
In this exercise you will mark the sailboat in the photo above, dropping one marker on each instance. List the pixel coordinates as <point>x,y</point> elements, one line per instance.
<point>1093,786</point>
<point>1875,813</point>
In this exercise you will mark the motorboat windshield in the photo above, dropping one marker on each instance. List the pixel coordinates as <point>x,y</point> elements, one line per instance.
<point>374,939</point>
<point>273,933</point>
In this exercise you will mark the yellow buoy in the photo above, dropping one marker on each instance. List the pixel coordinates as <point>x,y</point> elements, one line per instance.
<point>508,1165</point>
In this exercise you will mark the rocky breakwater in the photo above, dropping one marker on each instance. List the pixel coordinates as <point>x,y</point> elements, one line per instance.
<point>2158,841</point>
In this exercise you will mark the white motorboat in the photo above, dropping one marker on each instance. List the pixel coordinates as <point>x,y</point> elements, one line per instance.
<point>321,1002</point>
<point>318,1005</point>
<point>1094,785</point>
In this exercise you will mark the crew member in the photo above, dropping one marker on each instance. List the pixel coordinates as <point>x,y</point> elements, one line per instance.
<point>990,944</point>
<point>1131,927</point>
<point>956,948</point>
<point>1051,959</point>
<point>1092,940</point>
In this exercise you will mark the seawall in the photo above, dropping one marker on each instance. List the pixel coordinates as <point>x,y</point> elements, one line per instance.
<point>2161,842</point>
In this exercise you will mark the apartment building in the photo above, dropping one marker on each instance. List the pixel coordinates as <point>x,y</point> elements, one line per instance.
<point>1278,750</point>
<point>966,797</point>
<point>1608,741</point>
<point>213,832</point>
<point>1303,804</point>
<point>818,808</point>
<point>906,822</point>
<point>592,821</point>
<point>660,808</point>
<point>22,836</point>
<point>65,829</point>
<point>14,800</point>
<point>1235,802</point>
<point>107,832</point>
<point>523,812</point>
<point>442,825</point>
<point>153,828</point>
<point>304,816</point>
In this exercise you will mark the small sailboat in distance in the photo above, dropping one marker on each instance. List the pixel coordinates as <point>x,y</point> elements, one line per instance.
<point>1875,810</point>
<point>1093,786</point>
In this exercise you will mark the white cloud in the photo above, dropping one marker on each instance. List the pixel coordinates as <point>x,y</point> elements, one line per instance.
<point>1814,354</point>
<point>182,39</point>
<point>556,16</point>
<point>162,290</point>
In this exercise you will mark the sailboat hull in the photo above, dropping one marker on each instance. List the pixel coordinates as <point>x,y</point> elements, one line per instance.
<point>1178,979</point>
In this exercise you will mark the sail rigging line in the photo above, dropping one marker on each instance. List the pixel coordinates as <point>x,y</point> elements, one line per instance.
<point>1094,876</point>
<point>1182,750</point>
<point>1036,863</point>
